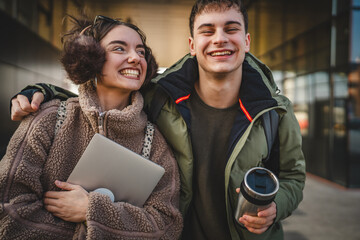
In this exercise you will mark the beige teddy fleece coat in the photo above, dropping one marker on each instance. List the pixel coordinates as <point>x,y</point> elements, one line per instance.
<point>36,157</point>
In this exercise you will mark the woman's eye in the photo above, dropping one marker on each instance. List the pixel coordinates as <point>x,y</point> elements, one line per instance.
<point>141,53</point>
<point>119,49</point>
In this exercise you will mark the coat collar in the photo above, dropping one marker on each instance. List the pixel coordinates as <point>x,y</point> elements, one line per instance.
<point>255,96</point>
<point>128,121</point>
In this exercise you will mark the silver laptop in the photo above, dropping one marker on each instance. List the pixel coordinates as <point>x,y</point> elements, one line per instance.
<point>107,164</point>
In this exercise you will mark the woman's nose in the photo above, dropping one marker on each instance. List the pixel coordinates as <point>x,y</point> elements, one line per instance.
<point>134,57</point>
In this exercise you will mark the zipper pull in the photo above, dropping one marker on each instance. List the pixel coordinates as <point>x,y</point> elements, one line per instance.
<point>101,123</point>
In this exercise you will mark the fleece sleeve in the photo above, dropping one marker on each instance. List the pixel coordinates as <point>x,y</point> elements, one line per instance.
<point>292,166</point>
<point>22,215</point>
<point>159,218</point>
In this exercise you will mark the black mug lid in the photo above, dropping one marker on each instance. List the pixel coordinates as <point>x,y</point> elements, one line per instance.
<point>259,186</point>
<point>260,180</point>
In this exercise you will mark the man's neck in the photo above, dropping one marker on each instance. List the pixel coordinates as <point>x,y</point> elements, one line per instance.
<point>221,91</point>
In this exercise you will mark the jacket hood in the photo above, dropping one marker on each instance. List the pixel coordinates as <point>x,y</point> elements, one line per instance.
<point>257,90</point>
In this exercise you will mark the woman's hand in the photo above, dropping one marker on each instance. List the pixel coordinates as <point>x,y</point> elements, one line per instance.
<point>69,205</point>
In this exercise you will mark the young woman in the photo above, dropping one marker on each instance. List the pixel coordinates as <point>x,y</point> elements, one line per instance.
<point>110,61</point>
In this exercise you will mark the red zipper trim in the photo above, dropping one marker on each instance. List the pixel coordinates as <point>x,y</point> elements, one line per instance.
<point>245,111</point>
<point>182,99</point>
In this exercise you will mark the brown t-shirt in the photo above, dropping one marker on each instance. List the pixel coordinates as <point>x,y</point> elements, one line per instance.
<point>210,131</point>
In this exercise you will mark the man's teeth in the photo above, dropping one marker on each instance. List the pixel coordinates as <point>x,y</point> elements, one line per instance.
<point>221,53</point>
<point>130,72</point>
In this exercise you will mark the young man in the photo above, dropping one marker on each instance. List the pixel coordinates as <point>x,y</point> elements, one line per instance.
<point>208,106</point>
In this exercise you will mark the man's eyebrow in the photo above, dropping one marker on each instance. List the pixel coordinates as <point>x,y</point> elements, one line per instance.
<point>125,44</point>
<point>205,25</point>
<point>233,22</point>
<point>212,25</point>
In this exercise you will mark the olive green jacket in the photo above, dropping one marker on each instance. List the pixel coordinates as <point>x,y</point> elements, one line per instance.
<point>248,150</point>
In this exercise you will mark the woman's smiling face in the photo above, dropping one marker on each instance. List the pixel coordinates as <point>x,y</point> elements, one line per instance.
<point>125,66</point>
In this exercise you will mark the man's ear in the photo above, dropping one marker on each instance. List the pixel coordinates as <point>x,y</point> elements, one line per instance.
<point>247,42</point>
<point>192,46</point>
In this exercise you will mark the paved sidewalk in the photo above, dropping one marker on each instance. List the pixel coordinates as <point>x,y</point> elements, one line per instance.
<point>328,212</point>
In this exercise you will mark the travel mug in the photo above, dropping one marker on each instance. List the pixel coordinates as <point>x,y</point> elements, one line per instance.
<point>257,191</point>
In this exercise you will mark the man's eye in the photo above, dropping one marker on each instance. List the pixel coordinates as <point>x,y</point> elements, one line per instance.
<point>232,30</point>
<point>207,32</point>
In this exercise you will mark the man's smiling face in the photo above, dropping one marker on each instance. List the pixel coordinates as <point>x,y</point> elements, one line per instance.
<point>220,41</point>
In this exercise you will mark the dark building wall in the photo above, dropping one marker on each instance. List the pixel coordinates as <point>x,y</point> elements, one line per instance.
<point>311,56</point>
<point>25,59</point>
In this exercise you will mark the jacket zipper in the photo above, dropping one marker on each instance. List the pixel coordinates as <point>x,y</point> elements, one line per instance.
<point>101,123</point>
<point>239,145</point>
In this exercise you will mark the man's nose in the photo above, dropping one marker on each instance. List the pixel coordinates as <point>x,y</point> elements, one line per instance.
<point>220,37</point>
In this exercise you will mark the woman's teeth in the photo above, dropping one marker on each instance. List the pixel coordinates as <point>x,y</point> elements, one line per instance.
<point>130,72</point>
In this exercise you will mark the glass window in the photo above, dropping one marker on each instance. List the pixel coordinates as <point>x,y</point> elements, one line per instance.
<point>354,94</point>
<point>302,115</point>
<point>354,114</point>
<point>301,92</point>
<point>289,89</point>
<point>278,77</point>
<point>321,86</point>
<point>355,37</point>
<point>356,3</point>
<point>340,85</point>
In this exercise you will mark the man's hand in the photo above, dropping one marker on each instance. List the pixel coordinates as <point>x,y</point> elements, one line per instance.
<point>70,205</point>
<point>21,107</point>
<point>260,223</point>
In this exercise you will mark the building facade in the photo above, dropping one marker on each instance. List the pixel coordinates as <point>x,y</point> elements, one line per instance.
<point>313,48</point>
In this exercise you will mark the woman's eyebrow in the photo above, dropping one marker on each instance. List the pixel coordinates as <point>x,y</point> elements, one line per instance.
<point>140,46</point>
<point>125,44</point>
<point>118,42</point>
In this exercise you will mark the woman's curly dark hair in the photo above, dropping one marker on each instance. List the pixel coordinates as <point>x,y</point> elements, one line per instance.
<point>83,57</point>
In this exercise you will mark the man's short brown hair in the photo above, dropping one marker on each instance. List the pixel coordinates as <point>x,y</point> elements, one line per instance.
<point>206,5</point>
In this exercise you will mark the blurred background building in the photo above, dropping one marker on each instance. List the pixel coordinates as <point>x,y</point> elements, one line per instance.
<point>312,47</point>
